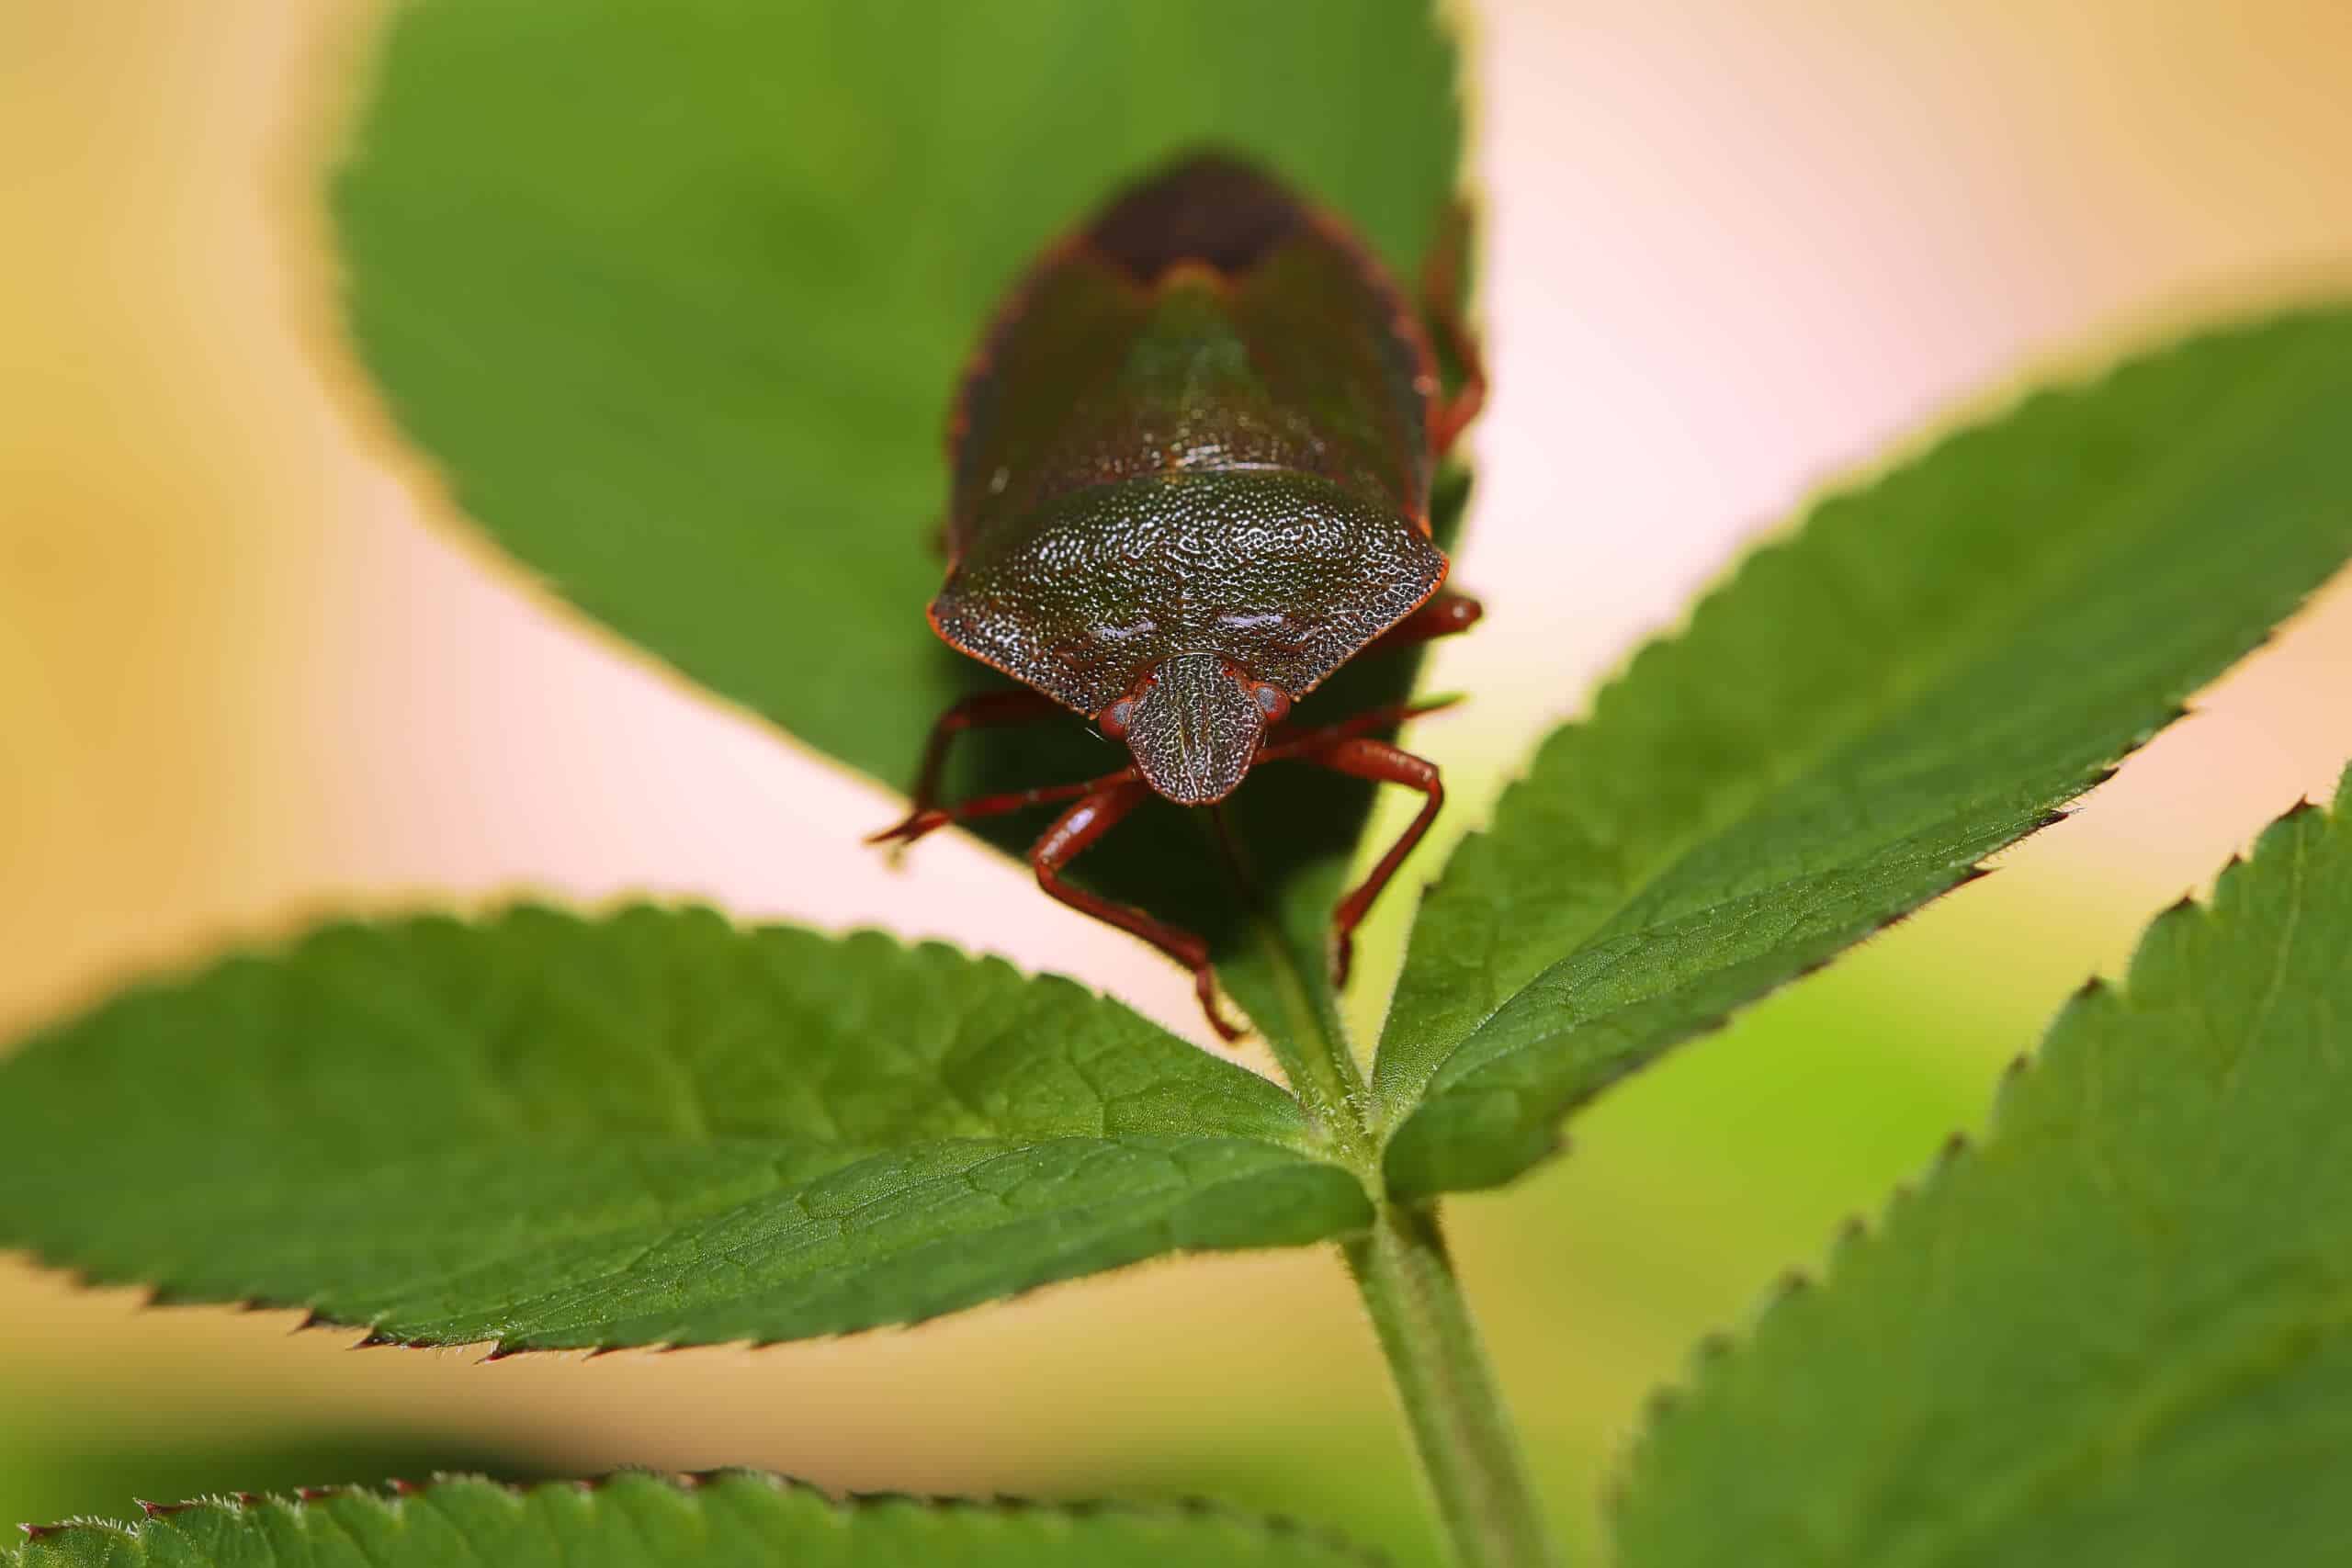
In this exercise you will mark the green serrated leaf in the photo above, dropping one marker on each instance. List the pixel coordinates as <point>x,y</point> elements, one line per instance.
<point>654,1128</point>
<point>1917,678</point>
<point>678,308</point>
<point>731,1519</point>
<point>2121,1332</point>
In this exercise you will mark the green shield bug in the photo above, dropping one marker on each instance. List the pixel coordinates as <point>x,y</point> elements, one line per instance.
<point>1191,463</point>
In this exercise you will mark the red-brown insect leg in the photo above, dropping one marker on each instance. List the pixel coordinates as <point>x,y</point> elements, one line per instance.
<point>986,708</point>
<point>1379,760</point>
<point>924,822</point>
<point>1447,614</point>
<point>1284,744</point>
<point>1442,302</point>
<point>1073,833</point>
<point>925,818</point>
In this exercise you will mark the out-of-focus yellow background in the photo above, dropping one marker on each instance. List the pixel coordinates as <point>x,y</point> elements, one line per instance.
<point>249,669</point>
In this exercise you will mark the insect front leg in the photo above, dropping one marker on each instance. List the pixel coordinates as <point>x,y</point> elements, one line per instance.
<point>924,822</point>
<point>982,710</point>
<point>1075,831</point>
<point>1363,758</point>
<point>1286,744</point>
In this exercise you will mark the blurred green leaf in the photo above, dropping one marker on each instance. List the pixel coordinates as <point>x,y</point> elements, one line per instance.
<point>1918,677</point>
<point>48,1471</point>
<point>734,1518</point>
<point>677,295</point>
<point>2116,1333</point>
<point>656,1128</point>
<point>1309,1460</point>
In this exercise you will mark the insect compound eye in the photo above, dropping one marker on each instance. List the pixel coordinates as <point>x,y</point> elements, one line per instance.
<point>1115,718</point>
<point>1273,701</point>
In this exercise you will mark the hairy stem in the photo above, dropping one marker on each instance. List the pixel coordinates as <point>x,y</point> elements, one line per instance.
<point>1305,1038</point>
<point>1314,1056</point>
<point>1469,1452</point>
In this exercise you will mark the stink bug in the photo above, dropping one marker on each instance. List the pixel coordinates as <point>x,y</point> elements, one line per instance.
<point>1192,462</point>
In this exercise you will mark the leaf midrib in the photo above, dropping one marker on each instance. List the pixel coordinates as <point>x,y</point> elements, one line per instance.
<point>1108,1218</point>
<point>782,1194</point>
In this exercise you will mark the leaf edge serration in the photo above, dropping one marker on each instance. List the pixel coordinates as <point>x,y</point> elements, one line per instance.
<point>700,1488</point>
<point>1800,1290</point>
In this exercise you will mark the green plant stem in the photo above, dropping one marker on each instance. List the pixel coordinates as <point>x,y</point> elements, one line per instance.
<point>1462,1434</point>
<point>1314,1056</point>
<point>1468,1450</point>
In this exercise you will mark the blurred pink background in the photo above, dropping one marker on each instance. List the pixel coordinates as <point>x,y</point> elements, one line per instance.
<point>249,669</point>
